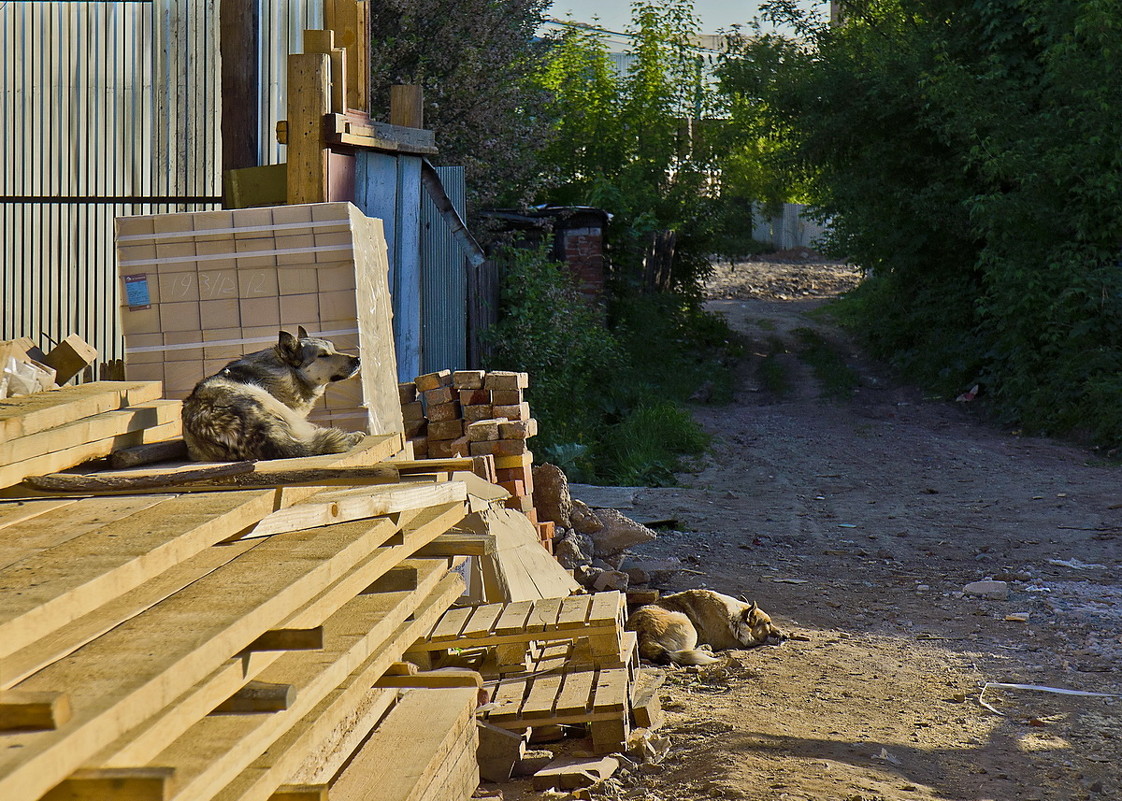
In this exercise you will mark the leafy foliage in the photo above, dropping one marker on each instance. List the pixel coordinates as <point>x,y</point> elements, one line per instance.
<point>474,59</point>
<point>638,144</point>
<point>970,157</point>
<point>594,390</point>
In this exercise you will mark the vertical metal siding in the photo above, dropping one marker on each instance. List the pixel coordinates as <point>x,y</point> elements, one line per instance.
<point>283,23</point>
<point>107,109</point>
<point>443,281</point>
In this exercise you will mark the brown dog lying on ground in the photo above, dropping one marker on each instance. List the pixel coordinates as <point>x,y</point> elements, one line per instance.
<point>671,628</point>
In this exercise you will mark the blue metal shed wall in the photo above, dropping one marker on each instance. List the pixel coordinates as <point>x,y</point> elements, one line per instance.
<point>443,281</point>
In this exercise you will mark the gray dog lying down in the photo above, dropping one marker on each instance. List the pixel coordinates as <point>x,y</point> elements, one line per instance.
<point>257,406</point>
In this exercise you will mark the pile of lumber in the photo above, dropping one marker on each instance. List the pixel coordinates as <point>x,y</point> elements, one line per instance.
<point>205,631</point>
<point>477,413</point>
<point>54,430</point>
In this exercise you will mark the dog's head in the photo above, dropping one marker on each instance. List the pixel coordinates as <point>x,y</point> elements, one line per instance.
<point>755,628</point>
<point>315,359</point>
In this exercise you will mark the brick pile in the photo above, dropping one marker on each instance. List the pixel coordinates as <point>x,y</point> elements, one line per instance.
<point>476,413</point>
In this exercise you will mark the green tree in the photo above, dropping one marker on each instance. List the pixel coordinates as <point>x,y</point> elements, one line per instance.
<point>968,154</point>
<point>475,60</point>
<point>630,143</point>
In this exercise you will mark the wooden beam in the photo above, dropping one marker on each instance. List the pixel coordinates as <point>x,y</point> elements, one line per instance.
<point>257,697</point>
<point>432,679</point>
<point>317,41</point>
<point>33,711</point>
<point>120,784</point>
<point>350,21</point>
<point>300,792</point>
<point>407,106</point>
<point>310,639</point>
<point>240,22</point>
<point>309,100</point>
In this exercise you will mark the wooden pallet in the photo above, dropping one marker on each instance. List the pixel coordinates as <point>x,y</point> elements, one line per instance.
<point>598,697</point>
<point>595,622</point>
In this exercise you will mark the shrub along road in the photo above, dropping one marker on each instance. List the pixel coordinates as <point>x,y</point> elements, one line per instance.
<point>856,511</point>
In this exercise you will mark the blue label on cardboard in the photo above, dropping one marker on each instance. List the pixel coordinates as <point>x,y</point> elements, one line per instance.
<point>136,291</point>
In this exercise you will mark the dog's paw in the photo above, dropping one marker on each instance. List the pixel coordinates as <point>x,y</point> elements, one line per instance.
<point>354,437</point>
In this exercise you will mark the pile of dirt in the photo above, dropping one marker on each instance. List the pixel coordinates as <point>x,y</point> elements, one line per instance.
<point>781,277</point>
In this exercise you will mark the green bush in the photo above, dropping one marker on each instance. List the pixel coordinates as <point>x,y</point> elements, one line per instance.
<point>608,400</point>
<point>970,157</point>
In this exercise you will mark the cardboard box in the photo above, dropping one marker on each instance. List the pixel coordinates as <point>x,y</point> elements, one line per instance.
<point>238,277</point>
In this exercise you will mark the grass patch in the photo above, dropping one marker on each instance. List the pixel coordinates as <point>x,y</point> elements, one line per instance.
<point>772,374</point>
<point>647,447</point>
<point>837,379</point>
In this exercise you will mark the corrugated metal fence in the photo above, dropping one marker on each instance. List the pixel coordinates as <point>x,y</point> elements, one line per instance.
<point>111,108</point>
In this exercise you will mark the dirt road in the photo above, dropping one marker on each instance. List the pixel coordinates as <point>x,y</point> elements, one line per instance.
<point>856,517</point>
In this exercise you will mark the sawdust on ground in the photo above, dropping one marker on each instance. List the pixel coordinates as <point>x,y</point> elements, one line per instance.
<point>857,523</point>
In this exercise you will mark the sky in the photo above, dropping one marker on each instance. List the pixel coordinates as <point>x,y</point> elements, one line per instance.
<point>615,14</point>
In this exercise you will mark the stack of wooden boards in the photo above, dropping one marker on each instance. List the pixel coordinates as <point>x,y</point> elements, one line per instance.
<point>477,413</point>
<point>54,430</point>
<point>549,662</point>
<point>200,631</point>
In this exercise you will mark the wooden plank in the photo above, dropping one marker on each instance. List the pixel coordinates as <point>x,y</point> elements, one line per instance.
<point>120,784</point>
<point>257,697</point>
<point>514,617</point>
<point>325,740</point>
<point>451,624</point>
<point>125,676</point>
<point>416,737</point>
<point>14,513</point>
<point>141,743</point>
<point>574,612</point>
<point>575,697</point>
<point>308,101</point>
<point>215,750</point>
<point>66,521</point>
<point>483,621</point>
<point>52,646</point>
<point>542,697</point>
<point>328,508</point>
<point>432,679</point>
<point>31,414</point>
<point>97,427</point>
<point>605,609</point>
<point>350,22</point>
<point>506,699</point>
<point>544,614</point>
<point>61,460</point>
<point>239,40</point>
<point>460,543</point>
<point>316,748</point>
<point>33,710</point>
<point>50,589</point>
<point>611,691</point>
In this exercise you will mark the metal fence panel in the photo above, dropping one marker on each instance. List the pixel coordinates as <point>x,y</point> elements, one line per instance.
<point>107,109</point>
<point>443,281</point>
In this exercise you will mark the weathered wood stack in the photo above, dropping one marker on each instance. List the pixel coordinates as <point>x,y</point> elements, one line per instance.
<point>220,631</point>
<point>477,413</point>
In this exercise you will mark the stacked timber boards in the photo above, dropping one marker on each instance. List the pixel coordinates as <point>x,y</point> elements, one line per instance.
<point>150,649</point>
<point>54,430</point>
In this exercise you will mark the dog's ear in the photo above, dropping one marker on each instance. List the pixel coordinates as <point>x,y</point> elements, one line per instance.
<point>752,607</point>
<point>288,347</point>
<point>300,332</point>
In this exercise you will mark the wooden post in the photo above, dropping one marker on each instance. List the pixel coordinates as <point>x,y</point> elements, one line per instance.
<point>240,31</point>
<point>350,22</point>
<point>324,42</point>
<point>309,100</point>
<point>407,107</point>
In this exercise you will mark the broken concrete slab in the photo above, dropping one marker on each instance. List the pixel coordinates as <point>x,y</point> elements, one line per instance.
<point>994,590</point>
<point>573,773</point>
